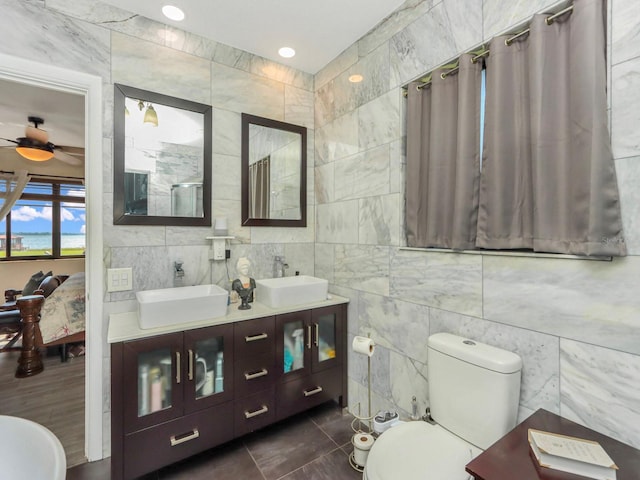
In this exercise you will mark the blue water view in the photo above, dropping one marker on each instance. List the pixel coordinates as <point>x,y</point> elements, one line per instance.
<point>40,241</point>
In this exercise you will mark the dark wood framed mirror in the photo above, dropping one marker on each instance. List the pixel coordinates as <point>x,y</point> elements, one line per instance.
<point>161,159</point>
<point>274,173</point>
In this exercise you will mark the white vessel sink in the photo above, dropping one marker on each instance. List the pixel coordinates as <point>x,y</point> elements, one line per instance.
<point>171,306</point>
<point>29,450</point>
<point>285,291</point>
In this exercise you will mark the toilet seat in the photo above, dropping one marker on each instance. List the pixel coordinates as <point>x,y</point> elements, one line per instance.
<point>419,451</point>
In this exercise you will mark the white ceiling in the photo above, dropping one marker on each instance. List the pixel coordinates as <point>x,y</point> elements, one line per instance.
<point>319,30</point>
<point>62,112</point>
<point>63,115</point>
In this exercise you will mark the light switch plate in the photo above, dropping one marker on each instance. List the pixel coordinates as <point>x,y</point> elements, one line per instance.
<point>119,279</point>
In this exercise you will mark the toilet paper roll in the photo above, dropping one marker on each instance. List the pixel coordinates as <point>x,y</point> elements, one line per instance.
<point>363,345</point>
<point>362,443</point>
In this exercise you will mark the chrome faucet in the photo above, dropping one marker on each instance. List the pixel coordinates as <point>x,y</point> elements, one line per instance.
<point>179,272</point>
<point>279,266</point>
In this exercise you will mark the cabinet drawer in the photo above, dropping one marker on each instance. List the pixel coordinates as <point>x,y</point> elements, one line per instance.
<point>253,374</point>
<point>254,337</point>
<point>301,394</point>
<point>155,447</point>
<point>254,412</point>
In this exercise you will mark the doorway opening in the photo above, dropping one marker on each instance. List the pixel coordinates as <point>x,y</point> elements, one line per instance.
<point>88,87</point>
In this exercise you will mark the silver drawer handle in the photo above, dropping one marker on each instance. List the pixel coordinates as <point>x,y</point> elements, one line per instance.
<point>308,393</point>
<point>253,338</point>
<point>184,438</point>
<point>248,414</point>
<point>261,373</point>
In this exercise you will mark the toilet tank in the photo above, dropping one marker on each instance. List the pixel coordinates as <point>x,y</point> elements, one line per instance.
<point>474,388</point>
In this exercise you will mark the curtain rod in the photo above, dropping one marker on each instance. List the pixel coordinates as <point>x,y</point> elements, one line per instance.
<point>484,52</point>
<point>549,20</point>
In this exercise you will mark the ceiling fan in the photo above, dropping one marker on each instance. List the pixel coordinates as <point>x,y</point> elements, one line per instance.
<point>35,145</point>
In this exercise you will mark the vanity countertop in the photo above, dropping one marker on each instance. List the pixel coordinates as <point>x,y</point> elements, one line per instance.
<point>124,326</point>
<point>510,458</point>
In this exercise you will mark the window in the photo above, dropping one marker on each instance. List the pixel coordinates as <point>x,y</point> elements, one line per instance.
<point>48,221</point>
<point>544,177</point>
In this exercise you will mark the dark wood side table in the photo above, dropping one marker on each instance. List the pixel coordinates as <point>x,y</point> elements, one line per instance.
<point>30,361</point>
<point>510,458</point>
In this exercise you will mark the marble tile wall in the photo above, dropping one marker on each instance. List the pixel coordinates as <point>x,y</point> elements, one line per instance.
<point>95,38</point>
<point>259,88</point>
<point>575,323</point>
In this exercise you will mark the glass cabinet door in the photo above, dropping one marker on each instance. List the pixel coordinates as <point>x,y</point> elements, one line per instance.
<point>326,330</point>
<point>293,343</point>
<point>325,337</point>
<point>153,380</point>
<point>209,364</point>
<point>206,366</point>
<point>293,338</point>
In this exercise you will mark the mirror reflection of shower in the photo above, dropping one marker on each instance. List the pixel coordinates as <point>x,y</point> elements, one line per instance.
<point>274,173</point>
<point>187,199</point>
<point>164,168</point>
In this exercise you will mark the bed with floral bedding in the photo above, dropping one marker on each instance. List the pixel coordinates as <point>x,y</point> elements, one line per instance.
<point>53,316</point>
<point>62,318</point>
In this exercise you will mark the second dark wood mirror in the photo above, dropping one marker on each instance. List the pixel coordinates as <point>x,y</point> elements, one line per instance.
<point>274,173</point>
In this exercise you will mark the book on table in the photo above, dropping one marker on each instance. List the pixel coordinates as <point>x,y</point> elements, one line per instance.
<point>572,455</point>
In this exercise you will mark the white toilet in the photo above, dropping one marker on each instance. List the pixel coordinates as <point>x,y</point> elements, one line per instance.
<point>474,391</point>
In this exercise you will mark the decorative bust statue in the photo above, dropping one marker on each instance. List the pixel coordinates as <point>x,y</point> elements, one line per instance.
<point>244,284</point>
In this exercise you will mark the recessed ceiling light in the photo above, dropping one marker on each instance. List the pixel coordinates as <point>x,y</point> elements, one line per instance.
<point>287,52</point>
<point>356,78</point>
<point>173,13</point>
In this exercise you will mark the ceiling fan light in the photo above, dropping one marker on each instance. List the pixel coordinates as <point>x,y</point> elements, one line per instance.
<point>35,153</point>
<point>150,116</point>
<point>37,134</point>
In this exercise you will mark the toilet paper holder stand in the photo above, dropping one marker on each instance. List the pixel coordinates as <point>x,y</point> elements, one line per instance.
<point>358,456</point>
<point>362,438</point>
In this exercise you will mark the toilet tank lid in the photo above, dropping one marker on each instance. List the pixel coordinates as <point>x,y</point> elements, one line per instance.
<point>476,353</point>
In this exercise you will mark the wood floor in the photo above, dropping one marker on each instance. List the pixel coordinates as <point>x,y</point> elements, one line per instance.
<point>53,398</point>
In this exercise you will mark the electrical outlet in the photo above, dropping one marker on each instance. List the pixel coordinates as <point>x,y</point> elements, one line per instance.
<point>218,249</point>
<point>119,279</point>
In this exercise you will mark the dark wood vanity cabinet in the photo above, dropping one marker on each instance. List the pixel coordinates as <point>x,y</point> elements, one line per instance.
<point>172,396</point>
<point>177,394</point>
<point>309,356</point>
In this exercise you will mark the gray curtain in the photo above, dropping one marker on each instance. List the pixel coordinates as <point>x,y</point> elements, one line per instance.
<point>505,211</point>
<point>260,181</point>
<point>11,188</point>
<point>443,138</point>
<point>548,180</point>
